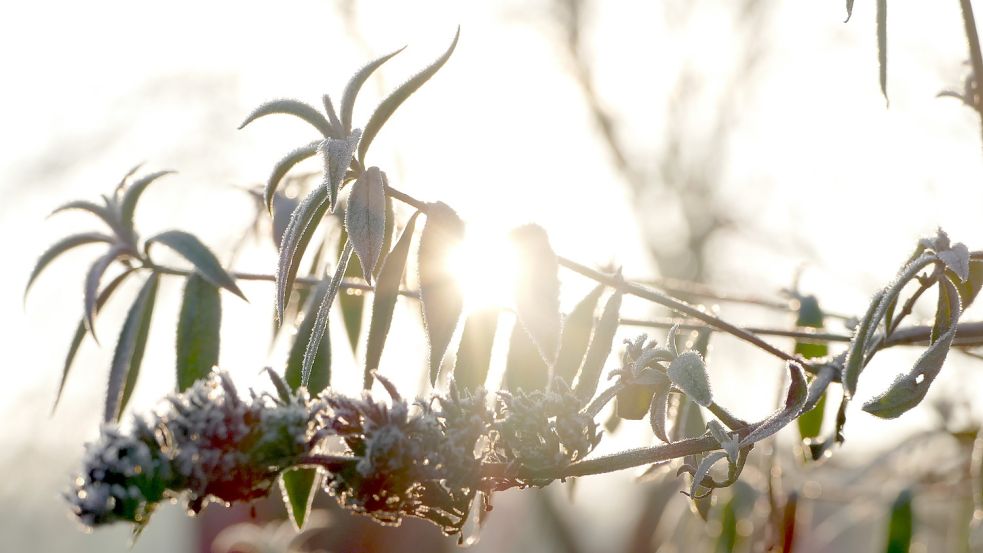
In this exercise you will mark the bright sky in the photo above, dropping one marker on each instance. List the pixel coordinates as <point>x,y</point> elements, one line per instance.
<point>828,176</point>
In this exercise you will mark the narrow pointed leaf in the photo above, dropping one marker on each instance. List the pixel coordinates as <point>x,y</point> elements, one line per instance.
<point>73,348</point>
<point>296,108</point>
<point>538,290</point>
<point>948,301</point>
<point>575,336</point>
<point>298,486</point>
<point>191,248</point>
<point>303,223</point>
<point>92,279</point>
<point>795,398</point>
<point>901,523</point>
<point>333,116</point>
<point>126,177</point>
<point>849,10</point>
<point>198,331</point>
<point>810,422</point>
<point>440,293</point>
<point>284,166</point>
<point>337,155</point>
<point>384,299</point>
<point>387,236</point>
<point>283,208</point>
<point>689,373</point>
<point>909,389</point>
<point>524,366</point>
<point>132,193</point>
<point>882,44</point>
<point>855,355</point>
<point>355,84</point>
<point>351,302</point>
<point>321,321</point>
<point>62,246</point>
<point>128,356</point>
<point>393,101</point>
<point>599,349</point>
<point>320,376</point>
<point>474,352</point>
<point>704,469</point>
<point>102,212</point>
<point>365,218</point>
<point>657,413</point>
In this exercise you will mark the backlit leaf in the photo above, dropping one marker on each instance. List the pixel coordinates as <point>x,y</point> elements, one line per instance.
<point>882,44</point>
<point>62,246</point>
<point>599,349</point>
<point>296,108</point>
<point>100,211</point>
<point>132,193</point>
<point>956,259</point>
<point>689,373</point>
<point>575,336</point>
<point>128,356</point>
<point>393,101</point>
<point>73,348</point>
<point>795,398</point>
<point>284,166</point>
<point>351,302</point>
<point>205,262</point>
<point>811,316</point>
<point>365,218</point>
<point>355,84</point>
<point>901,524</point>
<point>283,208</point>
<point>440,292</point>
<point>969,289</point>
<point>321,321</point>
<point>320,376</point>
<point>337,155</point>
<point>524,366</point>
<point>198,331</point>
<point>474,352</point>
<point>298,486</point>
<point>384,300</point>
<point>909,389</point>
<point>387,236</point>
<point>538,290</point>
<point>302,224</point>
<point>92,279</point>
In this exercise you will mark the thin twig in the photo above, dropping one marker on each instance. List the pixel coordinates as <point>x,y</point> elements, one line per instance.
<point>804,334</point>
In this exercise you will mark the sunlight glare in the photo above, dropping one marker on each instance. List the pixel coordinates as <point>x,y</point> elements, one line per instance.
<point>485,264</point>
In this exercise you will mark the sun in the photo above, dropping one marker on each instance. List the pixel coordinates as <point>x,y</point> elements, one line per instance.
<point>485,265</point>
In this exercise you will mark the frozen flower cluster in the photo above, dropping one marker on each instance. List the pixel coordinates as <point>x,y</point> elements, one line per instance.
<point>208,444</point>
<point>542,430</point>
<point>420,460</point>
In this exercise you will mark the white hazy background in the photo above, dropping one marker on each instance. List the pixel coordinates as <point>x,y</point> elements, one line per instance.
<point>829,178</point>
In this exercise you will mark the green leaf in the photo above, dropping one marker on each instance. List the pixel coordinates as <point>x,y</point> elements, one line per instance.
<point>298,486</point>
<point>351,302</point>
<point>284,166</point>
<point>947,309</point>
<point>283,208</point>
<point>901,524</point>
<point>337,155</point>
<point>440,293</point>
<point>321,321</point>
<point>384,300</point>
<point>810,422</point>
<point>190,247</point>
<point>969,289</point>
<point>599,349</point>
<point>62,246</point>
<point>795,399</point>
<point>387,236</point>
<point>882,44</point>
<point>909,389</point>
<point>524,365</point>
<point>658,409</point>
<point>474,352</point>
<point>365,218</point>
<point>956,259</point>
<point>73,348</point>
<point>92,278</point>
<point>320,376</point>
<point>537,291</point>
<point>575,336</point>
<point>198,331</point>
<point>128,356</point>
<point>393,101</point>
<point>355,84</point>
<point>303,222</point>
<point>689,373</point>
<point>128,203</point>
<point>855,355</point>
<point>296,108</point>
